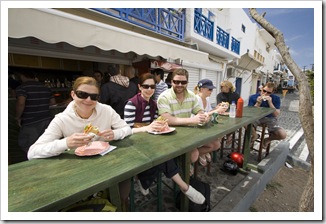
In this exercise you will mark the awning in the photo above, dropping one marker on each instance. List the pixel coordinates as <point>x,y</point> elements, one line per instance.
<point>246,62</point>
<point>53,26</point>
<point>216,59</point>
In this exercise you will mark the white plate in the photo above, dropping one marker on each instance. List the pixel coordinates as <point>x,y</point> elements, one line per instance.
<point>163,132</point>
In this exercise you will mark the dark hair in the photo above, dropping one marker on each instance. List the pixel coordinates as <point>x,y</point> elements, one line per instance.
<point>270,85</point>
<point>159,71</point>
<point>113,69</point>
<point>98,71</point>
<point>180,71</point>
<point>27,73</point>
<point>145,76</point>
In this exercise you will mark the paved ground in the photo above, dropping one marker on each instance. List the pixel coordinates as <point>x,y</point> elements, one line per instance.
<point>221,183</point>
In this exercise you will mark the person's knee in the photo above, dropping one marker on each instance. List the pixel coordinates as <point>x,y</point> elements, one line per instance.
<point>282,134</point>
<point>124,188</point>
<point>194,155</point>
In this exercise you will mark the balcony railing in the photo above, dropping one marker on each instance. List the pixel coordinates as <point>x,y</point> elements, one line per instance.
<point>222,37</point>
<point>171,23</point>
<point>203,26</point>
<point>235,45</point>
<point>168,22</point>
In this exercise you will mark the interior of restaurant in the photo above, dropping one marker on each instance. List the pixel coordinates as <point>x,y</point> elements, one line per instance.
<point>57,66</point>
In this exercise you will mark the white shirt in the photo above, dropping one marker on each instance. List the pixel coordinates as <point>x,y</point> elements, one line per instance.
<point>208,104</point>
<point>53,141</point>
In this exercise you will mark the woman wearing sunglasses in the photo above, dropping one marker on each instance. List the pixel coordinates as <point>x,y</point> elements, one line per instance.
<point>140,113</point>
<point>203,91</point>
<point>66,130</point>
<point>227,93</point>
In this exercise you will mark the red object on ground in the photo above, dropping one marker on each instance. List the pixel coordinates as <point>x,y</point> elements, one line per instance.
<point>237,158</point>
<point>239,107</point>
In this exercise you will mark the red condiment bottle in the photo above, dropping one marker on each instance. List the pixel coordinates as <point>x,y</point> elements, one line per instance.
<point>239,107</point>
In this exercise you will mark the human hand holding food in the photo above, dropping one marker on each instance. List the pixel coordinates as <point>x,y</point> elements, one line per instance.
<point>78,139</point>
<point>108,134</point>
<point>159,125</point>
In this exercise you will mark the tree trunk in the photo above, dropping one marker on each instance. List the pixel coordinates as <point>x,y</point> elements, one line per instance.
<point>305,105</point>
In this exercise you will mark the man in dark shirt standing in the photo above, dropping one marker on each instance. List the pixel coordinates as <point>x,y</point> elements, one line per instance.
<point>118,90</point>
<point>32,109</point>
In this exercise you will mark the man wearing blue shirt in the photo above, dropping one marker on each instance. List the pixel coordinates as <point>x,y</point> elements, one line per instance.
<point>266,98</point>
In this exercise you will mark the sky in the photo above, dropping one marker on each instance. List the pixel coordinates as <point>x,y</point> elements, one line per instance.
<point>297,26</point>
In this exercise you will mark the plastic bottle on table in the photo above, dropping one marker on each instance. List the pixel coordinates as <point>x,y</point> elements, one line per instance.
<point>239,107</point>
<point>232,109</point>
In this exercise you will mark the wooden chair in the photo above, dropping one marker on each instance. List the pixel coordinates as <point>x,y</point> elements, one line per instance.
<point>236,144</point>
<point>261,130</point>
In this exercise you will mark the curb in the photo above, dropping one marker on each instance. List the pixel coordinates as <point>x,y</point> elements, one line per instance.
<point>248,190</point>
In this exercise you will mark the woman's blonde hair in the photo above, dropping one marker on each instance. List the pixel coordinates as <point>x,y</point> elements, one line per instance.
<point>85,80</point>
<point>228,84</point>
<point>196,89</point>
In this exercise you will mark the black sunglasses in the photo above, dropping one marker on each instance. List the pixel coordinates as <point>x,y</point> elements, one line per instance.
<point>267,91</point>
<point>177,82</point>
<point>84,95</point>
<point>147,86</point>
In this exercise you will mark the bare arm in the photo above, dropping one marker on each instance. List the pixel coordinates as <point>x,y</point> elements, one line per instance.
<point>200,117</point>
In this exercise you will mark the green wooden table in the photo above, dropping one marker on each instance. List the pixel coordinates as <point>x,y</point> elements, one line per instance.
<point>54,183</point>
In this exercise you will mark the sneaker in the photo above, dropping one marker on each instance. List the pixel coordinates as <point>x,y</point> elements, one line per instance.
<point>194,196</point>
<point>142,190</point>
<point>208,157</point>
<point>202,160</point>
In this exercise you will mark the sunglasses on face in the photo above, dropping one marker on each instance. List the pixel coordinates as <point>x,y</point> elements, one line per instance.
<point>210,89</point>
<point>84,95</point>
<point>147,86</point>
<point>177,82</point>
<point>265,91</point>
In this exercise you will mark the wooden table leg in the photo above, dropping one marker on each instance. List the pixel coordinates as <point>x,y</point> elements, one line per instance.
<point>246,146</point>
<point>185,163</point>
<point>115,197</point>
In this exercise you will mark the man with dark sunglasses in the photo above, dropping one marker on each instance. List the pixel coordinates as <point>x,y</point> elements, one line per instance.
<point>266,98</point>
<point>178,104</point>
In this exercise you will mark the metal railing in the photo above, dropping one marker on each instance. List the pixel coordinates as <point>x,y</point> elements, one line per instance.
<point>168,22</point>
<point>235,45</point>
<point>203,26</point>
<point>222,37</point>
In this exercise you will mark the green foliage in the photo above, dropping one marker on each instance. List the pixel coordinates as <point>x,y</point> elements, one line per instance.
<point>310,76</point>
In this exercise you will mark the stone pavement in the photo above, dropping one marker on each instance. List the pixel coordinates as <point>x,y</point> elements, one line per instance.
<point>225,188</point>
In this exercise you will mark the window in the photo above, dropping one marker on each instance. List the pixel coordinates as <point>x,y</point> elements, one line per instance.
<point>243,28</point>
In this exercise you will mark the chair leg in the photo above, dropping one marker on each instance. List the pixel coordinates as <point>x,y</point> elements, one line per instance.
<point>239,139</point>
<point>222,147</point>
<point>159,192</point>
<point>262,138</point>
<point>132,195</point>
